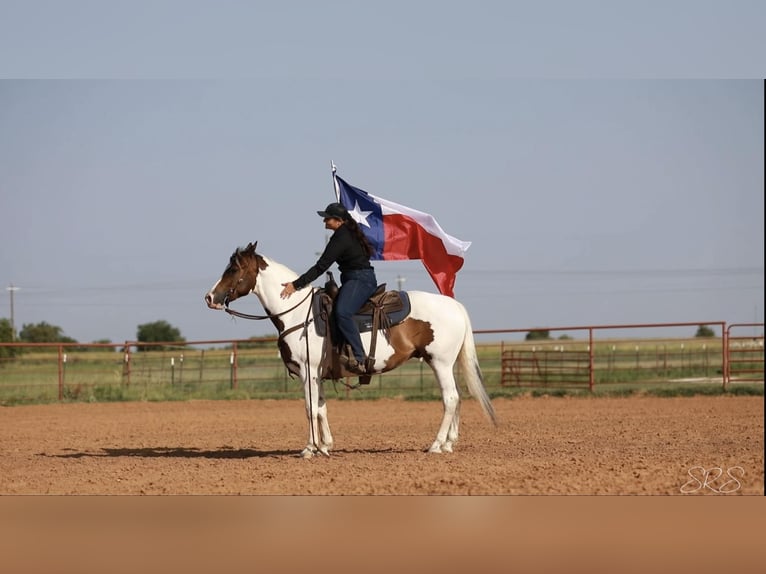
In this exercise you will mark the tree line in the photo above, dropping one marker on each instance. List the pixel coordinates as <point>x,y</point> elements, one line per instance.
<point>155,332</point>
<point>43,332</point>
<point>162,332</point>
<point>703,331</point>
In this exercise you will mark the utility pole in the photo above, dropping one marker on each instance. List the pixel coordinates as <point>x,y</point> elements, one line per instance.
<point>11,289</point>
<point>400,280</point>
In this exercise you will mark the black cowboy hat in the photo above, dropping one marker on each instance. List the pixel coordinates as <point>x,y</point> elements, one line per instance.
<point>335,210</point>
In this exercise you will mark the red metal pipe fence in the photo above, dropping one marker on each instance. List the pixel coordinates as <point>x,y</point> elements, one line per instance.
<point>520,363</point>
<point>744,360</point>
<point>110,371</point>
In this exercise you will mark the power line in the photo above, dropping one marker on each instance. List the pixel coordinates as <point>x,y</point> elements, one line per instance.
<point>621,272</point>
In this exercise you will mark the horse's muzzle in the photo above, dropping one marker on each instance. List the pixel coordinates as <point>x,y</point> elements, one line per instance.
<point>211,303</point>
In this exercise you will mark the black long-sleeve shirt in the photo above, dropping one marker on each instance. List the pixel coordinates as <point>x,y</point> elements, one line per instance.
<point>343,249</point>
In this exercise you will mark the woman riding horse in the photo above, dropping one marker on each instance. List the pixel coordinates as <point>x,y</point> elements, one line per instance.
<point>349,248</point>
<point>437,330</point>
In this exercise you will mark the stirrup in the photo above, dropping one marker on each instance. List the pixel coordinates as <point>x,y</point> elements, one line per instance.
<point>365,379</point>
<point>369,370</point>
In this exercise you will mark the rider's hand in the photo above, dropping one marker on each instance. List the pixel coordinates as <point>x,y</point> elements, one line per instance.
<point>288,290</point>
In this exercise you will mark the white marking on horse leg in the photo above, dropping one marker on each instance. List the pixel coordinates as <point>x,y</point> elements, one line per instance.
<point>436,447</point>
<point>308,452</point>
<point>325,436</point>
<point>451,401</point>
<point>311,395</point>
<point>454,429</point>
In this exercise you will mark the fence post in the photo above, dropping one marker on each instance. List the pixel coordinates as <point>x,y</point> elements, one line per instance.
<point>236,361</point>
<point>233,367</point>
<point>231,370</point>
<point>591,376</point>
<point>725,355</point>
<point>61,372</point>
<point>126,365</point>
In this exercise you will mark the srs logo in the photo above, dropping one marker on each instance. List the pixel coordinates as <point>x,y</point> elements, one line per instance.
<point>713,479</point>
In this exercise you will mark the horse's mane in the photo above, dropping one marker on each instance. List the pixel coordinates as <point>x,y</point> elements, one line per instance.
<point>264,261</point>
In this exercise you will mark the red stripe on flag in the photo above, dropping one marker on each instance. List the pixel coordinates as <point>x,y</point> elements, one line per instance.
<point>404,238</point>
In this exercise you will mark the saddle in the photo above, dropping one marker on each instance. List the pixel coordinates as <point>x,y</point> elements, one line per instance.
<point>383,310</point>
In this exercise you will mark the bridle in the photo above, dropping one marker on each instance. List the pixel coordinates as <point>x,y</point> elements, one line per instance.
<point>231,290</point>
<point>306,322</point>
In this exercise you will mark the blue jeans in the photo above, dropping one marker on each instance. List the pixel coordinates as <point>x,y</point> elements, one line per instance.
<point>356,288</point>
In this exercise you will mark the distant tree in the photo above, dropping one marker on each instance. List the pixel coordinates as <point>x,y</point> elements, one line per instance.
<point>6,332</point>
<point>538,335</point>
<point>89,348</point>
<point>158,332</point>
<point>705,331</point>
<point>43,333</point>
<point>565,337</point>
<point>6,336</point>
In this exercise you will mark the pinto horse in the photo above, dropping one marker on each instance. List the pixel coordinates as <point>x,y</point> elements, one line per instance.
<point>437,330</point>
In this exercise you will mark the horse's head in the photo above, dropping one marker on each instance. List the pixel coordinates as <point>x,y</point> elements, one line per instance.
<point>238,278</point>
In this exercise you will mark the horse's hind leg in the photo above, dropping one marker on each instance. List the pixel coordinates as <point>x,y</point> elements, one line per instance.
<point>447,433</point>
<point>454,429</point>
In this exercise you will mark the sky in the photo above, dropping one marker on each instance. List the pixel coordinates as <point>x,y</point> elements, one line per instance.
<point>606,165</point>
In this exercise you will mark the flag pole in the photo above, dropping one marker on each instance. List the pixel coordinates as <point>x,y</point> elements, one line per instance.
<point>335,182</point>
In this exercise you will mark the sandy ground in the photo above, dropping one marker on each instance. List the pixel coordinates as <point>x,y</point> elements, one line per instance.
<point>635,445</point>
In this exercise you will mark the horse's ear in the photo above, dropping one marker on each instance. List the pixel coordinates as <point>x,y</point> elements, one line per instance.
<point>252,246</point>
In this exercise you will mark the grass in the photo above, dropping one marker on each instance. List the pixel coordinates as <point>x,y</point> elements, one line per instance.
<point>550,368</point>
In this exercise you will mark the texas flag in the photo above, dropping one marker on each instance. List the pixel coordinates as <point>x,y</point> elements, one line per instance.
<point>397,232</point>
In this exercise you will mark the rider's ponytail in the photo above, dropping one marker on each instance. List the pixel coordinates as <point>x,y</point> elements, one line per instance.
<point>359,234</point>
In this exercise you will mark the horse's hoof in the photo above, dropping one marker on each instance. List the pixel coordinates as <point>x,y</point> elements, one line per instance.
<point>435,448</point>
<point>447,447</point>
<point>324,451</point>
<point>307,453</point>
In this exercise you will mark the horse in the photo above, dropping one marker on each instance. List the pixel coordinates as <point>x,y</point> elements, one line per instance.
<point>437,330</point>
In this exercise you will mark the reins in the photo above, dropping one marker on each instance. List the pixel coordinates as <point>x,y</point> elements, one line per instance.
<point>268,316</point>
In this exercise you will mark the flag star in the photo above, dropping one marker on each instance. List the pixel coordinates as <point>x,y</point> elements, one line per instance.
<point>360,216</point>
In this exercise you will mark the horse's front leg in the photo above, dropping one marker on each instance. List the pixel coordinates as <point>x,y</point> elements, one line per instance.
<point>320,438</point>
<point>325,436</point>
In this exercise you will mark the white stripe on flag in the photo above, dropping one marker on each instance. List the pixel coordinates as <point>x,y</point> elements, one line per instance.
<point>452,245</point>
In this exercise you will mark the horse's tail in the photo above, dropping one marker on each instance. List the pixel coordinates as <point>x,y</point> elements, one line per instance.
<point>469,366</point>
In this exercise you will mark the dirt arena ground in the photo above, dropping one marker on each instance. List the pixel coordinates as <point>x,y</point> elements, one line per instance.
<point>635,445</point>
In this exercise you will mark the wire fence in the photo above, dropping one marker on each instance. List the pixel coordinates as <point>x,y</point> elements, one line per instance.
<point>49,372</point>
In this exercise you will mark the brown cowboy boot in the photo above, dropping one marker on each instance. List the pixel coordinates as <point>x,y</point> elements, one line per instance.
<point>351,364</point>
